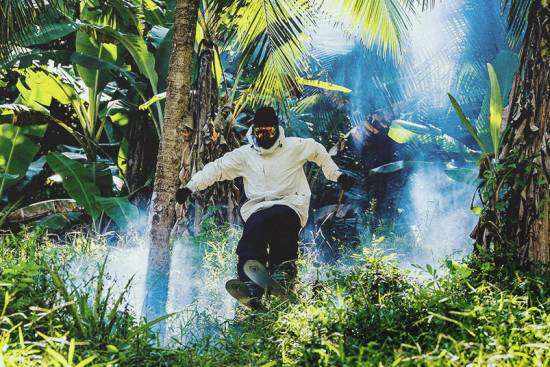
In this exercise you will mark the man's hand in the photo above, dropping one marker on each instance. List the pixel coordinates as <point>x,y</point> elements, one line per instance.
<point>182,195</point>
<point>345,181</point>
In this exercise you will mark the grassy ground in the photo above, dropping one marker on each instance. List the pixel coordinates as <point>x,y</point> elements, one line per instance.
<point>364,312</point>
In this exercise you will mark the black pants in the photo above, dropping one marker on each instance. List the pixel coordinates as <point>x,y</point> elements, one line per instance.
<point>271,237</point>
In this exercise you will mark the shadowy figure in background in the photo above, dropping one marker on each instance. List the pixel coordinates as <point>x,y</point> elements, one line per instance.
<point>278,193</point>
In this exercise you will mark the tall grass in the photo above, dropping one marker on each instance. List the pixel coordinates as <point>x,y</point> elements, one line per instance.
<point>47,320</point>
<point>362,311</point>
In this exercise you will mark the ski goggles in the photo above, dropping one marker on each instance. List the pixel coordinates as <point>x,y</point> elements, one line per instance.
<point>264,132</point>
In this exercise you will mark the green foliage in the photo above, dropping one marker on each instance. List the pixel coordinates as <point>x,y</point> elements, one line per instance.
<point>95,78</point>
<point>323,85</point>
<point>78,181</point>
<point>399,165</point>
<point>90,88</point>
<point>362,311</point>
<point>505,65</point>
<point>404,132</point>
<point>119,209</point>
<point>495,114</point>
<point>372,313</point>
<point>517,19</point>
<point>467,175</point>
<point>85,183</point>
<point>17,150</point>
<point>136,47</point>
<point>467,124</point>
<point>47,320</point>
<point>25,21</point>
<point>378,22</point>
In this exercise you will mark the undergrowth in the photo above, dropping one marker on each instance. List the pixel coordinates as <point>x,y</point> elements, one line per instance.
<point>363,311</point>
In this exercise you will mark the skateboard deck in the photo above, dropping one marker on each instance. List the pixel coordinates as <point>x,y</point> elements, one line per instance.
<point>258,273</point>
<point>238,290</point>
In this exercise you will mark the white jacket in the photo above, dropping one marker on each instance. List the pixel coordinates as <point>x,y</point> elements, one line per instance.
<point>271,176</point>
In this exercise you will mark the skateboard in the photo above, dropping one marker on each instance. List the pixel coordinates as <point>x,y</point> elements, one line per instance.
<point>259,274</point>
<point>238,290</point>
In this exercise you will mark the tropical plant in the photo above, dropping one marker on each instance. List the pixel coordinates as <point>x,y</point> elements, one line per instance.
<point>103,86</point>
<point>85,183</point>
<point>17,150</point>
<point>516,217</point>
<point>455,158</point>
<point>269,40</point>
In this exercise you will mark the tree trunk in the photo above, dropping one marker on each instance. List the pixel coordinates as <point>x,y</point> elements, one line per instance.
<point>177,107</point>
<point>517,217</point>
<point>141,159</point>
<point>163,215</point>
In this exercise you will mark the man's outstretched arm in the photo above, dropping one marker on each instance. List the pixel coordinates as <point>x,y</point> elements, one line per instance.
<point>227,167</point>
<point>317,153</point>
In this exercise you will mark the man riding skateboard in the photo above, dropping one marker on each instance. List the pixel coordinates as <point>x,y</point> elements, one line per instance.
<point>278,193</point>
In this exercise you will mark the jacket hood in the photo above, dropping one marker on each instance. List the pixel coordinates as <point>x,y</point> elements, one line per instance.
<point>262,151</point>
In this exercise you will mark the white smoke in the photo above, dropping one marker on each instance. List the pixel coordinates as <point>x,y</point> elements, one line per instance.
<point>439,217</point>
<point>196,289</point>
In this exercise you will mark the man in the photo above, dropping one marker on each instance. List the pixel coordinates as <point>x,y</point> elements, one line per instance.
<point>278,193</point>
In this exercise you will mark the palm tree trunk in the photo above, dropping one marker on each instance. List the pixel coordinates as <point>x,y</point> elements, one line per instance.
<point>523,221</point>
<point>163,214</point>
<point>177,106</point>
<point>141,159</point>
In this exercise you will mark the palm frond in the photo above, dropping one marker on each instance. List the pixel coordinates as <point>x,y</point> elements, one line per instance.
<point>518,11</point>
<point>269,37</point>
<point>380,23</point>
<point>423,4</point>
<point>278,77</point>
<point>21,17</point>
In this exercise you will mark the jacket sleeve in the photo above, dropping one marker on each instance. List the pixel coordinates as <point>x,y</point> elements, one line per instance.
<point>227,167</point>
<point>317,153</point>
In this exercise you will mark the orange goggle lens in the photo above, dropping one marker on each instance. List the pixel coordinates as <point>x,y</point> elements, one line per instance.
<point>265,132</point>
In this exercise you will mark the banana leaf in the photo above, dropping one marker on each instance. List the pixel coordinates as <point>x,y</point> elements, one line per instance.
<point>465,175</point>
<point>157,35</point>
<point>154,14</point>
<point>8,177</point>
<point>94,78</point>
<point>40,86</point>
<point>400,135</point>
<point>451,147</point>
<point>137,48</point>
<point>78,181</point>
<point>119,209</point>
<point>35,168</point>
<point>95,63</point>
<point>46,33</point>
<point>17,150</point>
<point>117,111</point>
<point>162,58</point>
<point>122,154</point>
<point>155,98</point>
<point>57,221</point>
<point>402,131</point>
<point>400,165</point>
<point>27,57</point>
<point>41,209</point>
<point>416,128</point>
<point>102,176</point>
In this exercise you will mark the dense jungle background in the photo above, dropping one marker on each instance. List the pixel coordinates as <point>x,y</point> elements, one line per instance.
<point>438,255</point>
